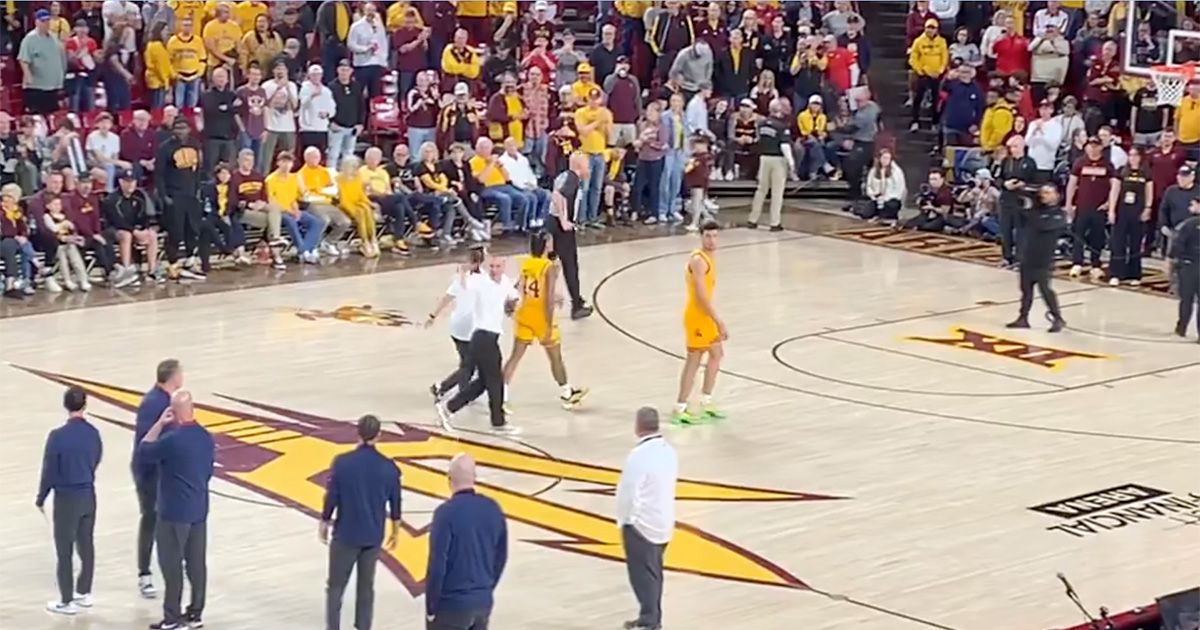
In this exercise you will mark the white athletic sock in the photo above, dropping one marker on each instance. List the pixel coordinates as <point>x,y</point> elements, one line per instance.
<point>567,390</point>
<point>680,407</point>
<point>507,397</point>
<point>706,400</point>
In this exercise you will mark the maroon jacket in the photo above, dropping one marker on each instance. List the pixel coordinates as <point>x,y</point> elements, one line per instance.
<point>413,60</point>
<point>698,176</point>
<point>10,229</point>
<point>84,212</point>
<point>136,146</point>
<point>623,99</point>
<point>497,112</point>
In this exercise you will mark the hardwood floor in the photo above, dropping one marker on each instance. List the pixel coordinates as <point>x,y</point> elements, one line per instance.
<point>893,457</point>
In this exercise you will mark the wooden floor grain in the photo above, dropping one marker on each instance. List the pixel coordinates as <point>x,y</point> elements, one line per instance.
<point>873,473</point>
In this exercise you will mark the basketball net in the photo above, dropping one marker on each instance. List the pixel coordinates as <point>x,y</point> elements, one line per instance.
<point>1170,81</point>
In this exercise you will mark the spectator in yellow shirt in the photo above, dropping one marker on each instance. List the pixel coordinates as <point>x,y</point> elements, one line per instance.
<point>221,39</point>
<point>194,10</point>
<point>160,73</point>
<point>318,189</point>
<point>460,62</point>
<point>997,122</point>
<point>353,200</point>
<point>283,193</point>
<point>1187,117</point>
<point>582,88</point>
<point>593,123</point>
<point>261,45</point>
<point>59,26</point>
<point>246,13</point>
<point>927,57</point>
<point>188,59</point>
<point>496,184</point>
<point>813,124</point>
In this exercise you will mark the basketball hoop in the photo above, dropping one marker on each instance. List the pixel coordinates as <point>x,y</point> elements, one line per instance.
<point>1170,81</point>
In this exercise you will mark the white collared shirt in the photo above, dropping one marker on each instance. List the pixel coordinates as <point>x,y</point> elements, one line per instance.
<point>487,298</point>
<point>461,318</point>
<point>1043,137</point>
<point>646,492</point>
<point>519,171</point>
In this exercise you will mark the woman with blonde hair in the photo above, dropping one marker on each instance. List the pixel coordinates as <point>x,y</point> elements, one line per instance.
<point>353,200</point>
<point>262,44</point>
<point>435,181</point>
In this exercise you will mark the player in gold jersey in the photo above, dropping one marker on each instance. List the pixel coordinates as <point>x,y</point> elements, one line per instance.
<point>534,318</point>
<point>704,329</point>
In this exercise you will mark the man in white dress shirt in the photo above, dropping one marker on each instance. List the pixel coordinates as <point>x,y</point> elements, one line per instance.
<point>646,516</point>
<point>537,199</point>
<point>492,296</point>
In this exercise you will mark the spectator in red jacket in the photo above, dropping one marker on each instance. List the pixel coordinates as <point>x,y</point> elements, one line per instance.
<point>1012,51</point>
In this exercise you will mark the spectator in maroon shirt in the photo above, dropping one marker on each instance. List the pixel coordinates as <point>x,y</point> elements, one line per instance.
<point>1164,160</point>
<point>421,106</point>
<point>1104,83</point>
<point>1012,51</point>
<point>1091,194</point>
<point>438,15</point>
<point>624,95</point>
<point>411,42</point>
<point>138,145</point>
<point>711,28</point>
<point>83,211</point>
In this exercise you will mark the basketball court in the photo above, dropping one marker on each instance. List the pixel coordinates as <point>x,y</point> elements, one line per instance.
<point>893,457</point>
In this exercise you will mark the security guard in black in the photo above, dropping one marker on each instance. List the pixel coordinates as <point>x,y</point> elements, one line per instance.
<point>1185,257</point>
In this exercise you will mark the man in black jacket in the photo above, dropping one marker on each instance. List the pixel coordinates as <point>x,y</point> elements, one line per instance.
<point>1185,261</point>
<point>128,212</point>
<point>1016,172</point>
<point>736,68</point>
<point>177,181</point>
<point>349,115</point>
<point>221,124</point>
<point>1044,222</point>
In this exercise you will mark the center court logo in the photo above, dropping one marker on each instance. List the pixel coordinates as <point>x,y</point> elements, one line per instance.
<point>1049,358</point>
<point>364,314</point>
<point>287,461</point>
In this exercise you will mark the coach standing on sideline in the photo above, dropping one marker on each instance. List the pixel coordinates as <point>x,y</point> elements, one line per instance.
<point>73,452</point>
<point>168,378</point>
<point>564,203</point>
<point>185,455</point>
<point>363,487</point>
<point>646,516</point>
<point>468,548</point>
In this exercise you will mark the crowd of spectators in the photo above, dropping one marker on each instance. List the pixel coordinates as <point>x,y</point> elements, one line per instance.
<point>1026,93</point>
<point>180,127</point>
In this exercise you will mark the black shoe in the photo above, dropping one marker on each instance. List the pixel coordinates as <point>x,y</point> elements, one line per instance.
<point>1019,322</point>
<point>776,228</point>
<point>1056,325</point>
<point>193,620</point>
<point>750,224</point>
<point>167,625</point>
<point>1180,331</point>
<point>581,312</point>
<point>14,294</point>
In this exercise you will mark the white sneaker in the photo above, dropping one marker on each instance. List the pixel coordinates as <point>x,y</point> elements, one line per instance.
<point>1076,271</point>
<point>507,429</point>
<point>1113,282</point>
<point>82,600</point>
<point>70,285</point>
<point>191,261</point>
<point>52,285</point>
<point>1097,273</point>
<point>125,277</point>
<point>443,413</point>
<point>146,587</point>
<point>242,261</point>
<point>676,218</point>
<point>711,205</point>
<point>60,608</point>
<point>1135,283</point>
<point>692,227</point>
<point>85,285</point>
<point>329,249</point>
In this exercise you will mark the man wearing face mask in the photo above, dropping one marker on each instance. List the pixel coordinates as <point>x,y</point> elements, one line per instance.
<point>624,100</point>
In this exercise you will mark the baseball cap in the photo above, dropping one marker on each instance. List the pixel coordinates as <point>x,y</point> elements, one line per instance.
<point>983,173</point>
<point>126,174</point>
<point>541,5</point>
<point>932,22</point>
<point>622,59</point>
<point>1045,103</point>
<point>747,103</point>
<point>1093,140</point>
<point>461,89</point>
<point>584,67</point>
<point>345,63</point>
<point>41,14</point>
<point>815,99</point>
<point>1186,170</point>
<point>180,123</point>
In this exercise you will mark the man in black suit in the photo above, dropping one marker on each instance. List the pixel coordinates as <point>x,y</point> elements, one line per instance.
<point>736,66</point>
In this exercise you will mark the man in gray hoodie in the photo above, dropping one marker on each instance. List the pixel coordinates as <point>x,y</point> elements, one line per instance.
<point>695,65</point>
